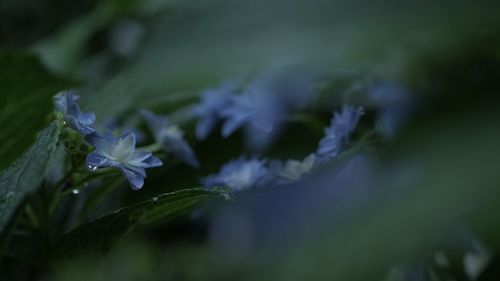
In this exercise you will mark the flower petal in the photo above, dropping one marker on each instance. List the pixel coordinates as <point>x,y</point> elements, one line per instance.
<point>184,152</point>
<point>87,118</point>
<point>125,146</point>
<point>97,141</point>
<point>135,176</point>
<point>205,126</point>
<point>97,160</point>
<point>144,160</point>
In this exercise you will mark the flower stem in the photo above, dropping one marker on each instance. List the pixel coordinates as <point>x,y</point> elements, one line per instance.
<point>151,148</point>
<point>61,193</point>
<point>89,177</point>
<point>60,184</point>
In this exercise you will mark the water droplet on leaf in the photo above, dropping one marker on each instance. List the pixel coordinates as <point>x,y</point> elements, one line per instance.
<point>75,191</point>
<point>92,168</point>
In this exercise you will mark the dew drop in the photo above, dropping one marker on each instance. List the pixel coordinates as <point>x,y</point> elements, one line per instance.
<point>92,168</point>
<point>75,191</point>
<point>64,122</point>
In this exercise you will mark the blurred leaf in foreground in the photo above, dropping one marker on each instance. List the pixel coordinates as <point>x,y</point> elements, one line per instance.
<point>26,91</point>
<point>26,174</point>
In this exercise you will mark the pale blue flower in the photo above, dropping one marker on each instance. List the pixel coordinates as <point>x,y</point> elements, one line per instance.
<point>120,153</point>
<point>170,137</point>
<point>264,106</point>
<point>261,114</point>
<point>282,172</point>
<point>342,125</point>
<point>260,106</point>
<point>239,174</point>
<point>208,110</point>
<point>65,102</point>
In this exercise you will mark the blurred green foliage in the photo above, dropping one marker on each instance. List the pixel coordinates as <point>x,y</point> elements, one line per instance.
<point>24,176</point>
<point>24,105</point>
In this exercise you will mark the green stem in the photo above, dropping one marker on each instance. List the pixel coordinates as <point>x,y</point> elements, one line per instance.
<point>60,184</point>
<point>81,182</point>
<point>32,217</point>
<point>155,147</point>
<point>86,179</point>
<point>54,201</point>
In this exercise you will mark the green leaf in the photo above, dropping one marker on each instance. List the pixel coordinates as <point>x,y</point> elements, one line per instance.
<point>26,174</point>
<point>26,91</point>
<point>99,235</point>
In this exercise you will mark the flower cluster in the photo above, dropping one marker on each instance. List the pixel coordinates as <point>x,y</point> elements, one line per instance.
<point>109,151</point>
<point>170,137</point>
<point>65,103</point>
<point>241,174</point>
<point>212,102</point>
<point>261,108</point>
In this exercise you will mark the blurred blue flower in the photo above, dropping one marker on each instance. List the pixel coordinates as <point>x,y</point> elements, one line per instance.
<point>120,153</point>
<point>212,102</point>
<point>259,111</point>
<point>265,105</point>
<point>291,170</point>
<point>239,174</point>
<point>395,105</point>
<point>261,105</point>
<point>170,137</point>
<point>65,102</point>
<point>261,108</point>
<point>116,127</point>
<point>342,125</point>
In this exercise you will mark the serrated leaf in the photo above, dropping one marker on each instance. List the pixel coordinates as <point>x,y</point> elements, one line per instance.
<point>99,235</point>
<point>26,174</point>
<point>26,91</point>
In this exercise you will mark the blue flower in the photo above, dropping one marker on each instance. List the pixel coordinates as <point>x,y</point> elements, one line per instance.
<point>258,106</point>
<point>342,125</point>
<point>120,153</point>
<point>265,105</point>
<point>239,174</point>
<point>207,111</point>
<point>170,137</point>
<point>260,112</point>
<point>65,102</point>
<point>290,170</point>
<point>395,106</point>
